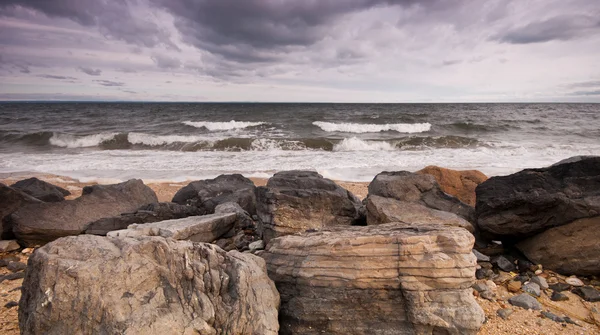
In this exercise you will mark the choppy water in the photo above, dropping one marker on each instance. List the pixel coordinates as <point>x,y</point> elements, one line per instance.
<point>176,141</point>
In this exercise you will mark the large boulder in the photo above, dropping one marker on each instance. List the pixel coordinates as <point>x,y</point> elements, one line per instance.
<point>460,184</point>
<point>385,210</point>
<point>526,203</point>
<point>11,200</point>
<point>207,194</point>
<point>41,190</point>
<point>37,224</point>
<point>383,279</point>
<point>100,285</point>
<point>295,201</point>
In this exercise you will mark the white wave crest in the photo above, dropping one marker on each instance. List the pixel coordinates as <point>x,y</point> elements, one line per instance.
<point>266,144</point>
<point>356,144</point>
<point>373,128</point>
<point>73,141</point>
<point>156,140</point>
<point>216,126</point>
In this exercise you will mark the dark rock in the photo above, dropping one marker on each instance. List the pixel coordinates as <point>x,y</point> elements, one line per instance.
<point>557,296</point>
<point>504,313</point>
<point>11,304</point>
<point>16,266</point>
<point>522,278</point>
<point>524,265</point>
<point>207,194</point>
<point>480,287</point>
<point>526,301</point>
<point>7,259</point>
<point>559,287</point>
<point>37,224</point>
<point>41,190</point>
<point>553,317</point>
<point>526,203</point>
<point>11,200</point>
<point>481,257</point>
<point>588,293</point>
<point>504,264</point>
<point>244,220</point>
<point>12,276</point>
<point>532,288</point>
<point>484,273</point>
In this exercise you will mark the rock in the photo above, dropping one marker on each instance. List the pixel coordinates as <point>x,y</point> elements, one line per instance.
<point>376,280</point>
<point>489,295</point>
<point>480,287</point>
<point>385,210</point>
<point>149,213</point>
<point>37,224</point>
<point>541,281</point>
<point>11,304</point>
<point>522,278</point>
<point>9,245</point>
<point>41,190</point>
<point>207,194</point>
<point>502,277</point>
<point>11,200</point>
<point>559,287</point>
<point>569,249</point>
<point>102,285</point>
<point>574,281</point>
<point>525,266</point>
<point>481,257</point>
<point>525,301</point>
<point>205,228</point>
<point>296,201</point>
<point>557,296</point>
<point>553,317</point>
<point>12,276</point>
<point>422,189</point>
<point>460,184</point>
<point>27,250</point>
<point>532,288</point>
<point>16,266</point>
<point>256,245</point>
<point>7,259</point>
<point>588,293</point>
<point>504,313</point>
<point>244,220</point>
<point>504,264</point>
<point>529,202</point>
<point>514,286</point>
<point>573,159</point>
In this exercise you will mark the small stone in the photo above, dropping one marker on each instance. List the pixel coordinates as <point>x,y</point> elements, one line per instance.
<point>553,317</point>
<point>571,321</point>
<point>588,293</point>
<point>480,287</point>
<point>484,274</point>
<point>6,260</point>
<point>559,287</point>
<point>489,295</point>
<point>532,288</point>
<point>485,265</point>
<point>525,301</point>
<point>538,272</point>
<point>502,277</point>
<point>9,245</point>
<point>12,276</point>
<point>11,304</point>
<point>557,296</point>
<point>481,257</point>
<point>595,282</point>
<point>574,281</point>
<point>543,284</point>
<point>27,251</point>
<point>522,278</point>
<point>504,313</point>
<point>256,245</point>
<point>514,286</point>
<point>504,264</point>
<point>524,265</point>
<point>552,280</point>
<point>491,285</point>
<point>16,266</point>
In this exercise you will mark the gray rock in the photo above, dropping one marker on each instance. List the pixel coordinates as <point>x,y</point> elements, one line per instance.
<point>11,200</point>
<point>525,301</point>
<point>484,273</point>
<point>504,264</point>
<point>541,281</point>
<point>481,257</point>
<point>9,245</point>
<point>7,259</point>
<point>41,190</point>
<point>559,287</point>
<point>557,296</point>
<point>553,317</point>
<point>489,295</point>
<point>480,287</point>
<point>532,288</point>
<point>244,220</point>
<point>504,313</point>
<point>12,276</point>
<point>588,293</point>
<point>16,266</point>
<point>574,281</point>
<point>256,245</point>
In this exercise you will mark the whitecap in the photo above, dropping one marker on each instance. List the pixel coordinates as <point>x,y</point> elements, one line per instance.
<point>373,128</point>
<point>356,144</point>
<point>73,141</point>
<point>220,126</point>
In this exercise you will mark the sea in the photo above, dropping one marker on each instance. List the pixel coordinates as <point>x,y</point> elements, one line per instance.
<point>113,141</point>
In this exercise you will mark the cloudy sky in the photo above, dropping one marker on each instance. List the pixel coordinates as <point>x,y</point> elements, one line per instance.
<point>300,50</point>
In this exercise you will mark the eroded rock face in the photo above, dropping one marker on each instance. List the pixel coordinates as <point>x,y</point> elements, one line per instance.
<point>529,202</point>
<point>41,190</point>
<point>100,285</point>
<point>11,200</point>
<point>296,201</point>
<point>383,279</point>
<point>418,188</point>
<point>460,184</point>
<point>208,194</point>
<point>37,224</point>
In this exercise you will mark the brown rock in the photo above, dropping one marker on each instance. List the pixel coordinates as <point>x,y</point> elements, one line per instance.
<point>514,286</point>
<point>460,184</point>
<point>11,200</point>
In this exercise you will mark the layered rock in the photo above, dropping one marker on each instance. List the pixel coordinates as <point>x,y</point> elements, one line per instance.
<point>296,201</point>
<point>207,194</point>
<point>460,184</point>
<point>40,223</point>
<point>418,188</point>
<point>11,200</point>
<point>383,279</point>
<point>100,285</point>
<point>41,190</point>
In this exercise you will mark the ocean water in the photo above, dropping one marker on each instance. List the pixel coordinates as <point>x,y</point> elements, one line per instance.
<point>353,142</point>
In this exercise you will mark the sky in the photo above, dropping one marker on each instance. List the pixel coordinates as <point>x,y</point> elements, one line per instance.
<point>301,50</point>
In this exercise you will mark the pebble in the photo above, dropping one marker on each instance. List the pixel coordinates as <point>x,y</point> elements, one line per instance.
<point>525,301</point>
<point>16,266</point>
<point>484,274</point>
<point>256,245</point>
<point>557,296</point>
<point>504,313</point>
<point>588,293</point>
<point>489,295</point>
<point>514,286</point>
<point>553,317</point>
<point>541,281</point>
<point>552,280</point>
<point>480,287</point>
<point>504,264</point>
<point>559,287</point>
<point>491,285</point>
<point>502,277</point>
<point>524,265</point>
<point>9,245</point>
<point>11,304</point>
<point>532,288</point>
<point>27,251</point>
<point>481,257</point>
<point>574,281</point>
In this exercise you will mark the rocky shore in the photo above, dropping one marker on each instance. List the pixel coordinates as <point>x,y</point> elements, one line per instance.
<point>432,252</point>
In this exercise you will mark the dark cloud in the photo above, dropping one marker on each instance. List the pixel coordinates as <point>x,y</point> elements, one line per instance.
<point>563,28</point>
<point>166,62</point>
<point>110,83</point>
<point>50,76</point>
<point>592,83</point>
<point>90,71</point>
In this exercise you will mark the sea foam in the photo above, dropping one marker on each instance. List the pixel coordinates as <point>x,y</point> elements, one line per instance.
<point>72,141</point>
<point>157,140</point>
<point>356,144</point>
<point>220,126</point>
<point>373,128</point>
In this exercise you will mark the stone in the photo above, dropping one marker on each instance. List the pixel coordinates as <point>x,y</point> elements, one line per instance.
<point>16,266</point>
<point>529,202</point>
<point>297,201</point>
<point>460,184</point>
<point>244,219</point>
<point>524,266</point>
<point>514,286</point>
<point>422,189</point>
<point>559,287</point>
<point>480,287</point>
<point>41,190</point>
<point>504,264</point>
<point>532,288</point>
<point>12,276</point>
<point>376,280</point>
<point>489,295</point>
<point>205,228</point>
<point>385,210</point>
<point>484,273</point>
<point>7,259</point>
<point>9,245</point>
<point>557,296</point>
<point>256,245</point>
<point>553,317</point>
<point>208,194</point>
<point>569,249</point>
<point>504,313</point>
<point>574,281</point>
<point>541,281</point>
<point>11,200</point>
<point>11,304</point>
<point>481,257</point>
<point>588,293</point>
<point>104,285</point>
<point>525,301</point>
<point>37,224</point>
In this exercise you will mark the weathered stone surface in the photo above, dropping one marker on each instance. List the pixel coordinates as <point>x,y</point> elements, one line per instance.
<point>531,201</point>
<point>588,293</point>
<point>526,301</point>
<point>11,200</point>
<point>205,228</point>
<point>207,194</point>
<point>41,190</point>
<point>385,210</point>
<point>8,245</point>
<point>532,288</point>
<point>569,249</point>
<point>40,223</point>
<point>244,220</point>
<point>101,285</point>
<point>460,184</point>
<point>541,281</point>
<point>296,201</point>
<point>423,189</point>
<point>154,212</point>
<point>383,279</point>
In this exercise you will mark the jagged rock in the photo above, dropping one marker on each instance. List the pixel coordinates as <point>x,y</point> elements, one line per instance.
<point>11,200</point>
<point>207,194</point>
<point>422,189</point>
<point>101,285</point>
<point>531,201</point>
<point>385,210</point>
<point>383,279</point>
<point>526,301</point>
<point>296,201</point>
<point>588,293</point>
<point>41,190</point>
<point>149,213</point>
<point>39,223</point>
<point>244,220</point>
<point>557,296</point>
<point>9,245</point>
<point>205,228</point>
<point>504,263</point>
<point>532,288</point>
<point>460,184</point>
<point>569,249</point>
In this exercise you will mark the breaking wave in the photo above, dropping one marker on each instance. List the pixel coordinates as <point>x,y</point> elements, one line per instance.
<point>373,128</point>
<point>221,126</point>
